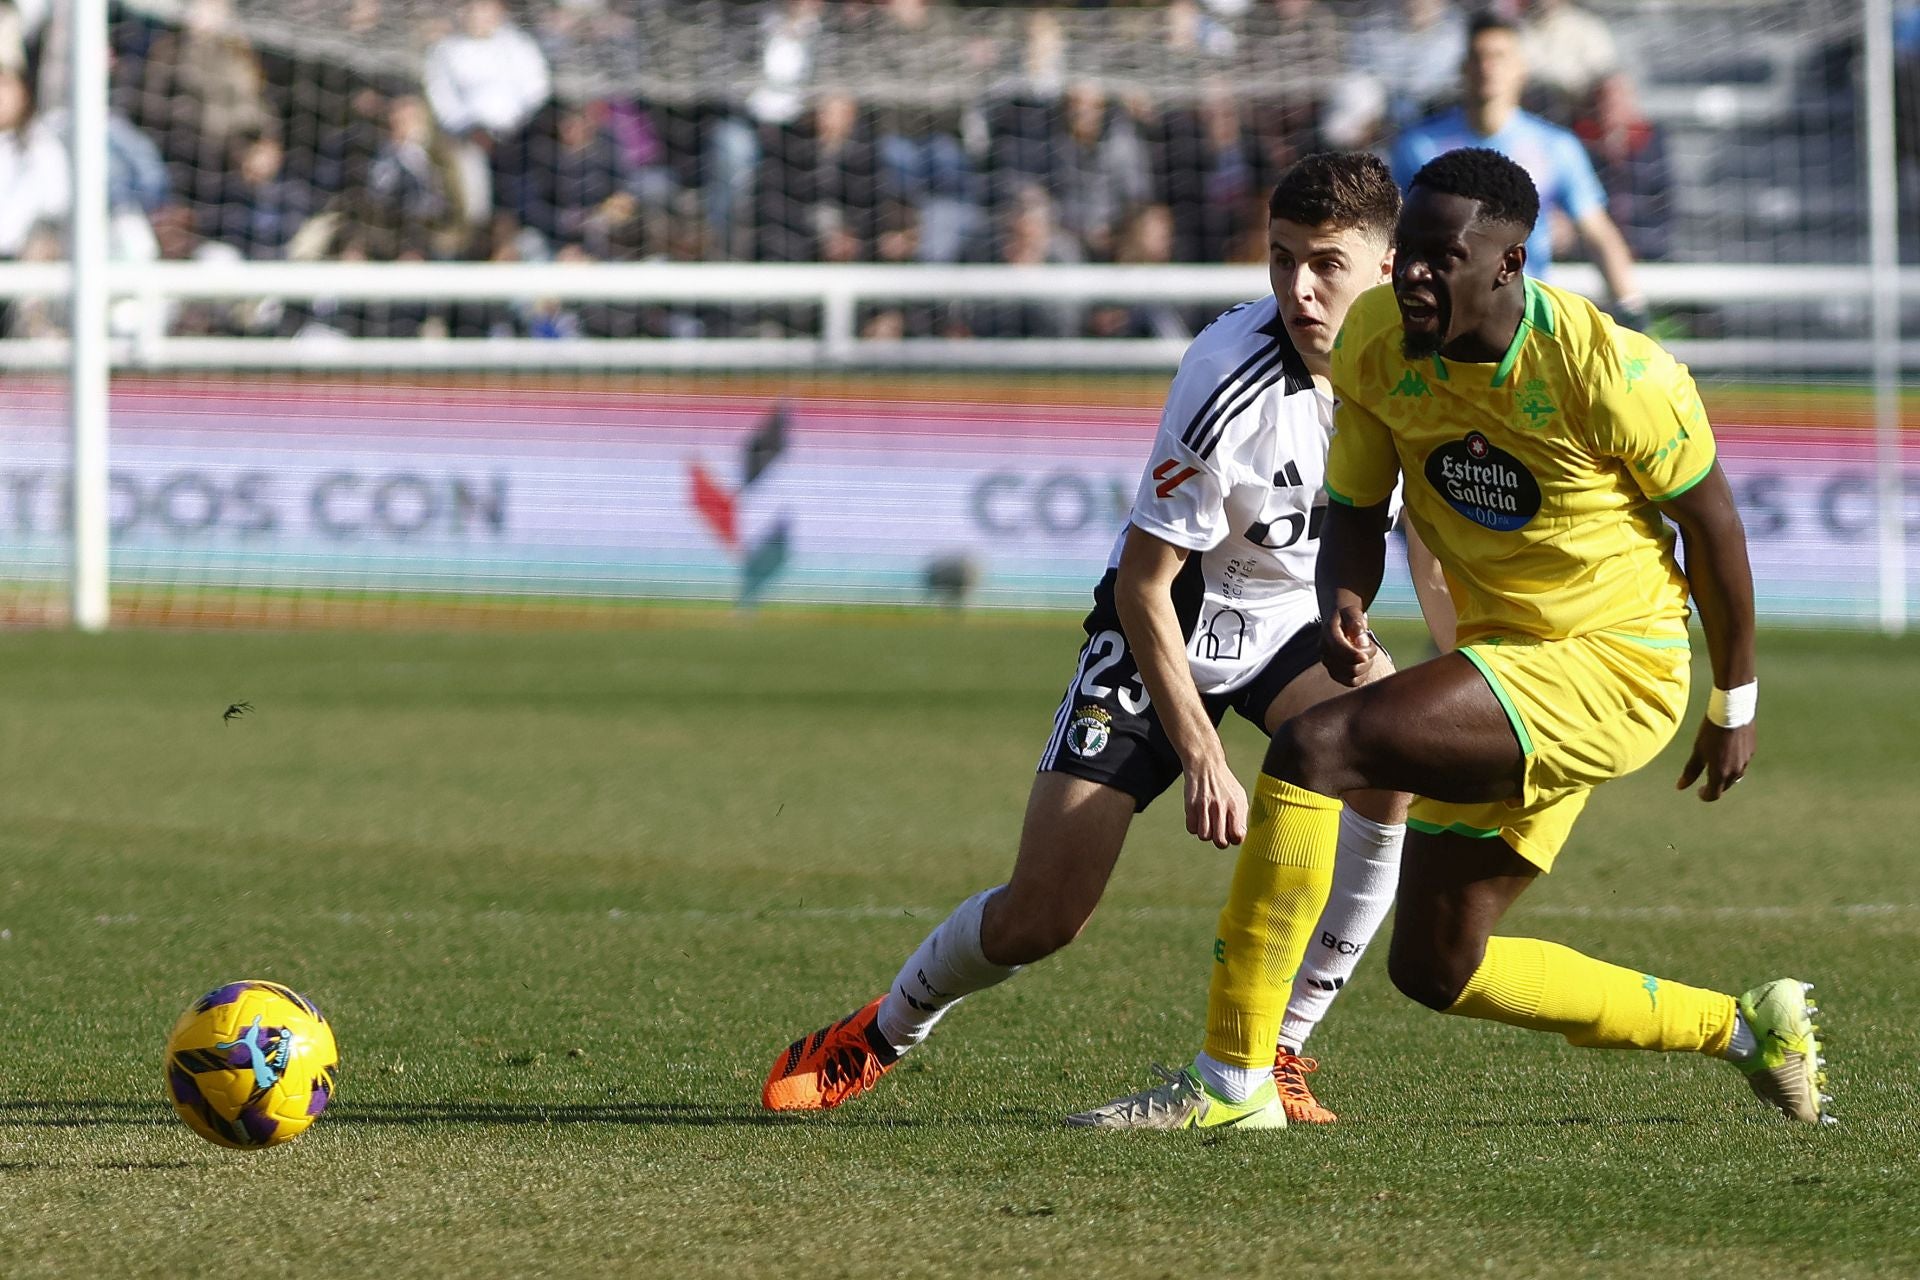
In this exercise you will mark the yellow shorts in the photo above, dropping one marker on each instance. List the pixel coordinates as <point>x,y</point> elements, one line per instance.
<point>1585,710</point>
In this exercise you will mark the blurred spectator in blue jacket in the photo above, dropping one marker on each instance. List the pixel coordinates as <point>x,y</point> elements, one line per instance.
<point>137,177</point>
<point>1571,197</point>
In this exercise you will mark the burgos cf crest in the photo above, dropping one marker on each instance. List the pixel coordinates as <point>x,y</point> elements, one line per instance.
<point>1091,730</point>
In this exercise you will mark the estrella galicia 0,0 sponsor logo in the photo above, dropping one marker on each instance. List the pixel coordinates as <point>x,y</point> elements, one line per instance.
<point>1487,485</point>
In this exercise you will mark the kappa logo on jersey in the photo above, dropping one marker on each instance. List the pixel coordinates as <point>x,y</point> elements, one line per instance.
<point>1411,384</point>
<point>1487,485</point>
<point>1537,404</point>
<point>1171,476</point>
<point>1090,732</point>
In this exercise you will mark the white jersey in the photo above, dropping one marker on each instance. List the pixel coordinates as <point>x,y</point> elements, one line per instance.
<point>1236,476</point>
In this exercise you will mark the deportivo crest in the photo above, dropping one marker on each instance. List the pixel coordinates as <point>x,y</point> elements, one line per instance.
<point>1537,403</point>
<point>1487,485</point>
<point>1091,730</point>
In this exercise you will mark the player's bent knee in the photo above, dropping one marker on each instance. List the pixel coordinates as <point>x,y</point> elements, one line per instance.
<point>1430,977</point>
<point>1309,751</point>
<point>1023,932</point>
<point>1029,942</point>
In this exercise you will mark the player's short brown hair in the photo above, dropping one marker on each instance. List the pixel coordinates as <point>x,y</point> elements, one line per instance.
<point>1338,189</point>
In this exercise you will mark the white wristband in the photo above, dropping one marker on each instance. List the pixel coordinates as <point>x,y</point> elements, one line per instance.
<point>1732,708</point>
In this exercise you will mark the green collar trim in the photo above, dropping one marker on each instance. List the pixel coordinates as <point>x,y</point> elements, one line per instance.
<point>1537,315</point>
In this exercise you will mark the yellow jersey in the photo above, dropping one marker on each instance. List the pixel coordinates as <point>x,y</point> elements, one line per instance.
<point>1534,479</point>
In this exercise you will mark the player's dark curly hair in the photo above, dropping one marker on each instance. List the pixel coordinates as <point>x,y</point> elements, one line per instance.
<point>1338,189</point>
<point>1502,188</point>
<point>1487,20</point>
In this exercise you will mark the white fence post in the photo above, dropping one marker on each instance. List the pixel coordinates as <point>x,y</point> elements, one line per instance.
<point>1883,253</point>
<point>88,354</point>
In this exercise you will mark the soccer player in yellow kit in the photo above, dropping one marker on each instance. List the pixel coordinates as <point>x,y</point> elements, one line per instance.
<point>1542,444</point>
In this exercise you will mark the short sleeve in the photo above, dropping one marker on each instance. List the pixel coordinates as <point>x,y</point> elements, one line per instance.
<point>1647,413</point>
<point>1362,466</point>
<point>1183,492</point>
<point>1580,189</point>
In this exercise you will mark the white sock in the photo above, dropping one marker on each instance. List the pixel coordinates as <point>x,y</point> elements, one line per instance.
<point>947,964</point>
<point>1366,869</point>
<point>1235,1084</point>
<point>1744,1044</point>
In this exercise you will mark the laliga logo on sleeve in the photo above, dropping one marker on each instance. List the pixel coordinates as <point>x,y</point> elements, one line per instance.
<point>1485,484</point>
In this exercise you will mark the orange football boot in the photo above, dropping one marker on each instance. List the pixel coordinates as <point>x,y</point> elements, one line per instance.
<point>823,1070</point>
<point>1290,1078</point>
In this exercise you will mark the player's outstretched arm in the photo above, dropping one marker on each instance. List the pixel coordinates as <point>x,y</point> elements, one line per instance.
<point>1353,555</point>
<point>1722,582</point>
<point>1601,234</point>
<point>1143,593</point>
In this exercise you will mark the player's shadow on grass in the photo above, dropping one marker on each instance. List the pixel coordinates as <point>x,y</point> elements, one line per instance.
<point>87,1113</point>
<point>663,1114</point>
<point>84,1113</point>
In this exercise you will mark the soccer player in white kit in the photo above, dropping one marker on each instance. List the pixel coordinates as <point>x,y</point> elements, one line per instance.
<point>1208,604</point>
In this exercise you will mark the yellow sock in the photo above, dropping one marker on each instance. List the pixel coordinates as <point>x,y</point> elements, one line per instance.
<point>1543,986</point>
<point>1279,889</point>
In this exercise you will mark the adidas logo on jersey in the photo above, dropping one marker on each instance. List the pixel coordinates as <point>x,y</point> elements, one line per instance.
<point>1288,475</point>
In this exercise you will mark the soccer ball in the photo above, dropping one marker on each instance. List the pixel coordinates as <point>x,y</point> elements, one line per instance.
<point>251,1065</point>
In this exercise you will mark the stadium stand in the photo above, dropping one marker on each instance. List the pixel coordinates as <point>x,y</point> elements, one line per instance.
<point>797,130</point>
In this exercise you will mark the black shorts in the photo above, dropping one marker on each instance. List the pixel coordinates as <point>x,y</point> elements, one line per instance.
<point>1107,731</point>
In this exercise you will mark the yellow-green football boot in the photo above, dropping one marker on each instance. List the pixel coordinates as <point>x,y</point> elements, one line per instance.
<point>1786,1071</point>
<point>1181,1101</point>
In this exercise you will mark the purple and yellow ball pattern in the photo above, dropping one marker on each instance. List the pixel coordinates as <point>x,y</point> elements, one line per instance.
<point>251,1065</point>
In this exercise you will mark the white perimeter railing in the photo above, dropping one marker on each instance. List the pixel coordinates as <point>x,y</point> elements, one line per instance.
<point>1799,295</point>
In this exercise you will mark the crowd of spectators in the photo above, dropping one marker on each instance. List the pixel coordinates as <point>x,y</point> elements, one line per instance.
<point>223,147</point>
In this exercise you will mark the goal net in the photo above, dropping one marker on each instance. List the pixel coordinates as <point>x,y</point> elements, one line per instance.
<point>525,312</point>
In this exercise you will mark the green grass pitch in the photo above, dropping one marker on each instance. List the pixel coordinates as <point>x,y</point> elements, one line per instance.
<point>566,895</point>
